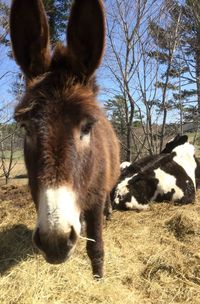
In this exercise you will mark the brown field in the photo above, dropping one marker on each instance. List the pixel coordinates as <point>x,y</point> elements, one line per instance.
<point>151,257</point>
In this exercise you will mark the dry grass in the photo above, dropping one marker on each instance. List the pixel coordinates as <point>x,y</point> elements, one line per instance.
<point>151,257</point>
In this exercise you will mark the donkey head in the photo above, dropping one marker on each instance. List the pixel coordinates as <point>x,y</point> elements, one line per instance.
<point>60,116</point>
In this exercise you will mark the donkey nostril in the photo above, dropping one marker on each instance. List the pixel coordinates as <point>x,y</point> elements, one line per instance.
<point>36,239</point>
<point>73,235</point>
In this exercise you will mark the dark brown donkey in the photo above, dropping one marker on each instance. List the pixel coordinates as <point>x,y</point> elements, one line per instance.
<point>71,151</point>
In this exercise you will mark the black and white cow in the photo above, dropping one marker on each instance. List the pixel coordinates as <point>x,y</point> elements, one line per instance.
<point>169,176</point>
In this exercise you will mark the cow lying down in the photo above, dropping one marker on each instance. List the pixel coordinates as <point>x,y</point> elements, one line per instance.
<point>169,176</point>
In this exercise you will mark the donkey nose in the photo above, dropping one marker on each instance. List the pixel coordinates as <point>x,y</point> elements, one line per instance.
<point>39,238</point>
<point>57,247</point>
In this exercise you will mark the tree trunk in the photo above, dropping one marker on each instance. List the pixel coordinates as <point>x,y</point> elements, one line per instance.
<point>198,75</point>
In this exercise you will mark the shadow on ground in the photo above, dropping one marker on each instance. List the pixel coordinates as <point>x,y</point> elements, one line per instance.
<point>15,246</point>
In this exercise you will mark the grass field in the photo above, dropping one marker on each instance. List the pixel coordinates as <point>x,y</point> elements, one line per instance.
<point>151,257</point>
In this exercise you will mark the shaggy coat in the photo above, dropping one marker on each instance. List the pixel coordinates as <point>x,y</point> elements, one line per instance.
<point>170,176</point>
<point>71,151</point>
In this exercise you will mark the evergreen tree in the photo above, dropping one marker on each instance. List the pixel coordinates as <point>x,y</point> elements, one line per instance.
<point>58,13</point>
<point>117,113</point>
<point>166,40</point>
<point>185,62</point>
<point>4,13</point>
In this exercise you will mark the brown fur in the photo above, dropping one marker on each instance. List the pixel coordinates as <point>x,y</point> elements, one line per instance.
<point>60,102</point>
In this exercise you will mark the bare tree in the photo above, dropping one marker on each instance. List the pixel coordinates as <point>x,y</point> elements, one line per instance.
<point>7,162</point>
<point>124,23</point>
<point>135,65</point>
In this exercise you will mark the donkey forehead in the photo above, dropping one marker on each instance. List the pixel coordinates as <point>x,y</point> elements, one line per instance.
<point>70,103</point>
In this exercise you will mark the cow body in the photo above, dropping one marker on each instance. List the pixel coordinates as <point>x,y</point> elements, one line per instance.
<point>169,176</point>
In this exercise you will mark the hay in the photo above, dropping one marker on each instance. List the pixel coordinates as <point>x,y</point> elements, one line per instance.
<point>184,225</point>
<point>151,257</point>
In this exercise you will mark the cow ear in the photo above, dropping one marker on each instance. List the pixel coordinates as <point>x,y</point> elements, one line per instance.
<point>86,36</point>
<point>177,141</point>
<point>29,33</point>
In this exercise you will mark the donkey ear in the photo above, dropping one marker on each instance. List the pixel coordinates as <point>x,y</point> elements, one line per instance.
<point>86,36</point>
<point>30,36</point>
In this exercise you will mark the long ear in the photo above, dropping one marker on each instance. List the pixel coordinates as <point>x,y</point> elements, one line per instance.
<point>30,36</point>
<point>86,36</point>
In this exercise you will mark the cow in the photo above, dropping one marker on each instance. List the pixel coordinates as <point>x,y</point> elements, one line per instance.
<point>170,176</point>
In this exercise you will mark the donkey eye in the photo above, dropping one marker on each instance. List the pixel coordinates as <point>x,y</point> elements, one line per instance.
<point>85,130</point>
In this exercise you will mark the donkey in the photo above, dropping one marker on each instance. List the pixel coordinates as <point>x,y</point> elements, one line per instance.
<point>70,148</point>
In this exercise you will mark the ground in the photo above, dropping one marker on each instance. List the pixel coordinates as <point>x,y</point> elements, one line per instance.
<point>151,256</point>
